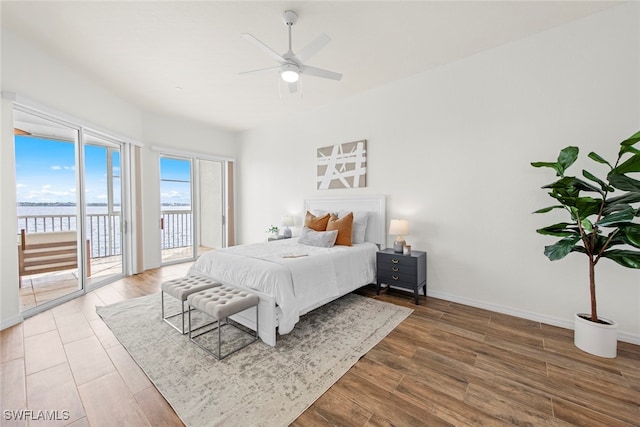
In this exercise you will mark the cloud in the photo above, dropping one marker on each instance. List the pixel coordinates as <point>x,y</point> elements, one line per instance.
<point>59,168</point>
<point>172,195</point>
<point>21,185</point>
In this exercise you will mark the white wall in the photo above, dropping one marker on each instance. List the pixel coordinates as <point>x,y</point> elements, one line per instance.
<point>185,135</point>
<point>451,149</point>
<point>34,74</point>
<point>49,81</point>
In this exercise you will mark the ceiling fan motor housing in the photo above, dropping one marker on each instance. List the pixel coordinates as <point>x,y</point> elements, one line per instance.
<point>289,17</point>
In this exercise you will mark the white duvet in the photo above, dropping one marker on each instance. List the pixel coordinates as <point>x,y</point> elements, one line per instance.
<point>300,277</point>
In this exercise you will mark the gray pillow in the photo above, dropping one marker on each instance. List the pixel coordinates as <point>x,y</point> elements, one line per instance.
<point>323,239</point>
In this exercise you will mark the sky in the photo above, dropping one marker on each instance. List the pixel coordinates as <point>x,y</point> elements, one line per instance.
<point>46,173</point>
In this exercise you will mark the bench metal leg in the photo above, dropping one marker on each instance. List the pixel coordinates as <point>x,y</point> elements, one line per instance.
<point>219,325</point>
<point>166,318</point>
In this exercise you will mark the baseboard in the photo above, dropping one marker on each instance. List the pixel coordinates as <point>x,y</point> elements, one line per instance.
<point>537,317</point>
<point>12,321</point>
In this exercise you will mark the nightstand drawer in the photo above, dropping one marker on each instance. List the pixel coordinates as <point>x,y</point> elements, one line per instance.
<point>396,259</point>
<point>390,278</point>
<point>404,271</point>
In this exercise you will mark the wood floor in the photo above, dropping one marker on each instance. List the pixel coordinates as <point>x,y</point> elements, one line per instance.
<point>447,364</point>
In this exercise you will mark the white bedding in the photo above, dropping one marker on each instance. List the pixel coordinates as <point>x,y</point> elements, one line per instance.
<point>300,277</point>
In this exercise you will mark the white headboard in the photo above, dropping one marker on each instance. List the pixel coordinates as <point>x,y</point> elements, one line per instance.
<point>375,205</point>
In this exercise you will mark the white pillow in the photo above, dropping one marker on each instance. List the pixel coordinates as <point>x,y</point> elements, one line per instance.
<point>323,239</point>
<point>359,228</point>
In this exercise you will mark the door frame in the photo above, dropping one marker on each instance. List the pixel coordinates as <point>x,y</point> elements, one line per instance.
<point>27,106</point>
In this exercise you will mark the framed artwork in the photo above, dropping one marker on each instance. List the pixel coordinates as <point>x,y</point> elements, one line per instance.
<point>342,165</point>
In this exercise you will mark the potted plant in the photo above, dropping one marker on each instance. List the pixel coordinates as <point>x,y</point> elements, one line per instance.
<point>603,214</point>
<point>272,231</point>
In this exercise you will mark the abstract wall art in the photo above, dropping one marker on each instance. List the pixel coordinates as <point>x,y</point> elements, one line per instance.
<point>342,165</point>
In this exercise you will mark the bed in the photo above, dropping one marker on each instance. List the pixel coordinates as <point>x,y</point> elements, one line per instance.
<point>292,279</point>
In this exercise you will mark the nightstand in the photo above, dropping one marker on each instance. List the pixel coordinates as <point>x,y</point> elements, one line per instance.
<point>271,239</point>
<point>403,271</point>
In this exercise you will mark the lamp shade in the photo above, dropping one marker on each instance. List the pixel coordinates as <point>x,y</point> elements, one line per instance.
<point>287,221</point>
<point>399,227</point>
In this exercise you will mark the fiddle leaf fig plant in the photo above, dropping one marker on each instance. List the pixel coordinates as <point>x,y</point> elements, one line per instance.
<point>604,213</point>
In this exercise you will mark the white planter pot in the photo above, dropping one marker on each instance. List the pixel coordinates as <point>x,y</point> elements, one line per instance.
<point>596,338</point>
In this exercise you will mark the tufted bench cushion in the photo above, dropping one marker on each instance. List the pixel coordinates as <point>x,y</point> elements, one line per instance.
<point>222,301</point>
<point>184,286</point>
<point>180,289</point>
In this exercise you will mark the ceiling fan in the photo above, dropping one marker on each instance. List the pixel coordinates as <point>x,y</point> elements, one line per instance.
<point>291,64</point>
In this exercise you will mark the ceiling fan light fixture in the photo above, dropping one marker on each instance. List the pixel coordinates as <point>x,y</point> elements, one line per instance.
<point>289,73</point>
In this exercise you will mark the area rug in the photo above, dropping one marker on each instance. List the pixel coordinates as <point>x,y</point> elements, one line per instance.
<point>259,385</point>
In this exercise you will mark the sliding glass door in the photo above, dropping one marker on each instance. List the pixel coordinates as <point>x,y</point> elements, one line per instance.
<point>196,206</point>
<point>176,209</point>
<point>70,234</point>
<point>48,244</point>
<point>103,209</point>
<point>211,202</point>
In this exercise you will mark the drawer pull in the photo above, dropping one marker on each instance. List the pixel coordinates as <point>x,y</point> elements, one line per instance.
<point>395,260</point>
<point>394,277</point>
<point>395,269</point>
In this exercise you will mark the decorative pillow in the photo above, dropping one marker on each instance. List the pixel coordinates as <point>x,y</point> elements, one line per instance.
<point>324,239</point>
<point>317,223</point>
<point>360,219</point>
<point>344,226</point>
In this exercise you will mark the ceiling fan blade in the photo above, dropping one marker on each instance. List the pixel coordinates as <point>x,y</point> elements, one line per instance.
<point>293,87</point>
<point>312,48</point>
<point>266,49</point>
<point>319,72</point>
<point>259,70</point>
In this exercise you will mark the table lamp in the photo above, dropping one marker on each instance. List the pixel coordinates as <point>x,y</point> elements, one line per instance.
<point>399,228</point>
<point>287,221</point>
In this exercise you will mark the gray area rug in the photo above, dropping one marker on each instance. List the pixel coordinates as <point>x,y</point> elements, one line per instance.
<point>259,385</point>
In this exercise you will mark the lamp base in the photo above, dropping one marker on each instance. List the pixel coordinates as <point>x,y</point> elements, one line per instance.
<point>398,244</point>
<point>286,233</point>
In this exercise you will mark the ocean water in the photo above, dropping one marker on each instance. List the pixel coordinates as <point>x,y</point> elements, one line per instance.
<point>103,230</point>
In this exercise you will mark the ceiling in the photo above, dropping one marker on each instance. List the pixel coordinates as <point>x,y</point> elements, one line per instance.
<point>183,58</point>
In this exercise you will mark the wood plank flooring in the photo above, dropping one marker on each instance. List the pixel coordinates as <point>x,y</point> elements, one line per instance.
<point>447,364</point>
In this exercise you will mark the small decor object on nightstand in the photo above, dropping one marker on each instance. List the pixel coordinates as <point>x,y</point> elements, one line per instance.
<point>406,250</point>
<point>272,232</point>
<point>287,221</point>
<point>399,228</point>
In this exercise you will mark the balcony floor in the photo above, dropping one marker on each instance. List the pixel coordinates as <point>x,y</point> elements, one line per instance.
<point>38,289</point>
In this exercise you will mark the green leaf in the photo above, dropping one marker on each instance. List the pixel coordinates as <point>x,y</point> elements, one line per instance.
<point>561,248</point>
<point>617,218</point>
<point>587,225</point>
<point>631,140</point>
<point>554,165</point>
<point>568,156</point>
<point>571,186</point>
<point>626,258</point>
<point>623,182</point>
<point>603,185</point>
<point>599,159</point>
<point>562,229</point>
<point>550,208</point>
<point>627,149</point>
<point>623,199</point>
<point>631,234</point>
<point>632,164</point>
<point>587,206</point>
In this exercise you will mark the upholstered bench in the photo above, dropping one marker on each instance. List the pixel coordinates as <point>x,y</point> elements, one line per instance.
<point>180,289</point>
<point>220,303</point>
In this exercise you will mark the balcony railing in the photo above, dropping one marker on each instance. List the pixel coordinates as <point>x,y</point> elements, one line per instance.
<point>103,230</point>
<point>176,229</point>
